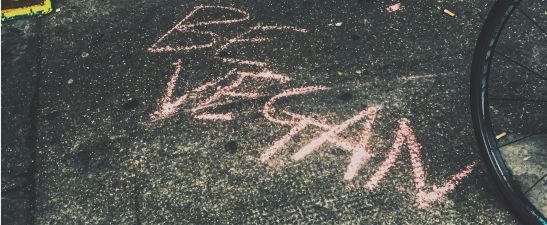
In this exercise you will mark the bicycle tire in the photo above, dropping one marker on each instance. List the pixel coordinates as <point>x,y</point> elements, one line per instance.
<point>489,151</point>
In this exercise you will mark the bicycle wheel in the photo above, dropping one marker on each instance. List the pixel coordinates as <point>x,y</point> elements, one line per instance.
<point>509,104</point>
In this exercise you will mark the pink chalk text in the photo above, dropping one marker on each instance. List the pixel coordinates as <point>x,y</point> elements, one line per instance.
<point>256,75</point>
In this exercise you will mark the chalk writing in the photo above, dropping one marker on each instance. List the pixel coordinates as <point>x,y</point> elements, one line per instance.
<point>185,26</point>
<point>170,105</point>
<point>255,75</point>
<point>359,147</point>
<point>330,134</point>
<point>405,134</point>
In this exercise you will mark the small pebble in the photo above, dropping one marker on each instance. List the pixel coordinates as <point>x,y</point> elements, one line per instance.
<point>85,54</point>
<point>231,147</point>
<point>70,81</point>
<point>340,73</point>
<point>526,158</point>
<point>338,24</point>
<point>58,10</point>
<point>359,72</point>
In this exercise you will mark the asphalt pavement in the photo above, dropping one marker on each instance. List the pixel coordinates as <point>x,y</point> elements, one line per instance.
<point>252,112</point>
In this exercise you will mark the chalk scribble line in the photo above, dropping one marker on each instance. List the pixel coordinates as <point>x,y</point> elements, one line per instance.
<point>182,27</point>
<point>403,135</point>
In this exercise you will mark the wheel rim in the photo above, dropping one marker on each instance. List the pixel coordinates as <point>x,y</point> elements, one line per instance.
<point>494,127</point>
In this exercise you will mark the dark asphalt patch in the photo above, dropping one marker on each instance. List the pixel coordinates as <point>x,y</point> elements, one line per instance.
<point>20,55</point>
<point>222,54</point>
<point>131,104</point>
<point>52,115</point>
<point>345,97</point>
<point>355,37</point>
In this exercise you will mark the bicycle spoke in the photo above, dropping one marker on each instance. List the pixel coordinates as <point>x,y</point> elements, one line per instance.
<point>533,21</point>
<point>515,99</point>
<point>537,182</point>
<point>522,65</point>
<point>522,138</point>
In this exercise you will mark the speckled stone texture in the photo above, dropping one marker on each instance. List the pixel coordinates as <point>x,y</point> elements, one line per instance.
<point>101,160</point>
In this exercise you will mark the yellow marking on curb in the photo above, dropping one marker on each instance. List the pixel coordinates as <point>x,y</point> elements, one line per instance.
<point>44,8</point>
